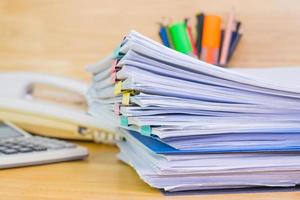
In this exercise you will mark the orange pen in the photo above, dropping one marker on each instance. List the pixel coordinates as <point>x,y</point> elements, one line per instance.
<point>211,39</point>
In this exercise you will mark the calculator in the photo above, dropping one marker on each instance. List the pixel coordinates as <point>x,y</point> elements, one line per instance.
<point>19,148</point>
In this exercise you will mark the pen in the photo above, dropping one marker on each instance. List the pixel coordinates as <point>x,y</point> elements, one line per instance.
<point>180,38</point>
<point>234,45</point>
<point>227,38</point>
<point>169,37</point>
<point>163,35</point>
<point>221,44</point>
<point>211,39</point>
<point>199,29</point>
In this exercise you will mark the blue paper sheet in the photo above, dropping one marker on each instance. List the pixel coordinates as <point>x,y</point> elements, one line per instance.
<point>158,146</point>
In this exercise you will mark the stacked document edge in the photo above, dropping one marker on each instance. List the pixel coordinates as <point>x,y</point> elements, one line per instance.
<point>189,125</point>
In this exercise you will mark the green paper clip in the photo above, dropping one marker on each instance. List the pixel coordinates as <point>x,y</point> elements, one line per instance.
<point>145,130</point>
<point>116,52</point>
<point>123,121</point>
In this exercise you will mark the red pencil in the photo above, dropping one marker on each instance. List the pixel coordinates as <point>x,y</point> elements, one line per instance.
<point>191,38</point>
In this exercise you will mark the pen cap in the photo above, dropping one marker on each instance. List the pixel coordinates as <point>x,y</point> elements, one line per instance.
<point>211,31</point>
<point>180,37</point>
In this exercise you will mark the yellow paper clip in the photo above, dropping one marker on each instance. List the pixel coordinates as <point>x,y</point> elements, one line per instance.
<point>126,98</point>
<point>118,88</point>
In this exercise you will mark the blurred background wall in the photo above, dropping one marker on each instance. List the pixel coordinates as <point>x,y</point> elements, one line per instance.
<point>61,37</point>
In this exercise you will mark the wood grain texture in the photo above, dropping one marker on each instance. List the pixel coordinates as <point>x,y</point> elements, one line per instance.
<point>61,37</point>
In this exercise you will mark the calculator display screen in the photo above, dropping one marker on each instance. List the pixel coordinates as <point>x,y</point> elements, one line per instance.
<point>7,132</point>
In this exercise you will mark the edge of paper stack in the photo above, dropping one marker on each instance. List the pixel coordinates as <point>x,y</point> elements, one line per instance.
<point>189,125</point>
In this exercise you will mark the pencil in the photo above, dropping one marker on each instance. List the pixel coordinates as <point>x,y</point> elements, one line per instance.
<point>190,34</point>
<point>227,38</point>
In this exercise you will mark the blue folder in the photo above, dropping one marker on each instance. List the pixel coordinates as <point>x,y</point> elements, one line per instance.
<point>160,147</point>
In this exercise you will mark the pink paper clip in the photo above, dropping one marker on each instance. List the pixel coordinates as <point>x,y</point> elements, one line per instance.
<point>113,66</point>
<point>113,77</point>
<point>117,109</point>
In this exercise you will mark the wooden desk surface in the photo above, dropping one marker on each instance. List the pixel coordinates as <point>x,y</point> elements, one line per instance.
<point>60,37</point>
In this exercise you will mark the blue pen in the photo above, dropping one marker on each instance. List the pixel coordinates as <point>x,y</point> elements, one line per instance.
<point>164,36</point>
<point>235,37</point>
<point>234,45</point>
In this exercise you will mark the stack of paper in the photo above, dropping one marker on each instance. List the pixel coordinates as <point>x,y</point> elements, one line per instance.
<point>190,125</point>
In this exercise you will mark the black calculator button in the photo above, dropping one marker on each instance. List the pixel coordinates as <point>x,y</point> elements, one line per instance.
<point>25,150</point>
<point>9,151</point>
<point>39,148</point>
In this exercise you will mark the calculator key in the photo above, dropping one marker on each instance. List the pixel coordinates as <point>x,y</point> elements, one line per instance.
<point>2,148</point>
<point>24,150</point>
<point>21,143</point>
<point>39,148</point>
<point>16,147</point>
<point>9,151</point>
<point>7,144</point>
<point>30,146</point>
<point>54,146</point>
